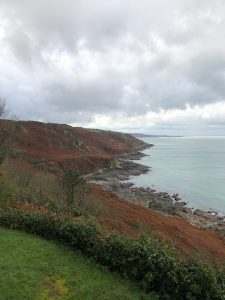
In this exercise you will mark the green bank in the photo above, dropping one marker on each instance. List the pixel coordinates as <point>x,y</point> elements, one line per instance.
<point>32,268</point>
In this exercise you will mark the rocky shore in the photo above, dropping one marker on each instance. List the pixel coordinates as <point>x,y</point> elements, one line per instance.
<point>116,180</point>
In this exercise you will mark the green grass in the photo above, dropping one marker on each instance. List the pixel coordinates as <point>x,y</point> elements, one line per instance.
<point>33,268</point>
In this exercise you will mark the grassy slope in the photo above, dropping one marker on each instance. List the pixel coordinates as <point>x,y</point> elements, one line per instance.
<point>32,268</point>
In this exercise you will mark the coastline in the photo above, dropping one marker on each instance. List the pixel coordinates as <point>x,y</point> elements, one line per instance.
<point>114,180</point>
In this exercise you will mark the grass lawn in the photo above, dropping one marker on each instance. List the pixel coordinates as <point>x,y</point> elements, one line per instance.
<point>36,269</point>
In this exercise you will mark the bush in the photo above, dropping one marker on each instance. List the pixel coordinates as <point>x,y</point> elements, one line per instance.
<point>18,187</point>
<point>43,190</point>
<point>8,190</point>
<point>148,261</point>
<point>75,189</point>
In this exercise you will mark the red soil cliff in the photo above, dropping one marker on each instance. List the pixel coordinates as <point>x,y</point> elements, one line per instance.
<point>59,146</point>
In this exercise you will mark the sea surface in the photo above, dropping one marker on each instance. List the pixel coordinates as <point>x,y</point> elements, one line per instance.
<point>194,167</point>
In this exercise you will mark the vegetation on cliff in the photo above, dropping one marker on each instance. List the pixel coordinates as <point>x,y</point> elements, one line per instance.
<point>53,202</point>
<point>58,147</point>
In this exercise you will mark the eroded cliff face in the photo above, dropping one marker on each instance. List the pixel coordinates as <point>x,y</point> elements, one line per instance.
<point>57,147</point>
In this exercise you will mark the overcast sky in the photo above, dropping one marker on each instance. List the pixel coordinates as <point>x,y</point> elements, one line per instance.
<point>143,65</point>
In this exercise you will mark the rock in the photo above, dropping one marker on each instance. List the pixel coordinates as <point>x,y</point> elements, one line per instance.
<point>126,185</point>
<point>199,212</point>
<point>186,210</point>
<point>176,197</point>
<point>212,212</point>
<point>101,177</point>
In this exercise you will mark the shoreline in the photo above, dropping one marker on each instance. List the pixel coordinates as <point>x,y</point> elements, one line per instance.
<point>114,179</point>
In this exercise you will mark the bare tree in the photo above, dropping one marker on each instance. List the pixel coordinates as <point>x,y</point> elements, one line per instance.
<point>4,132</point>
<point>3,110</point>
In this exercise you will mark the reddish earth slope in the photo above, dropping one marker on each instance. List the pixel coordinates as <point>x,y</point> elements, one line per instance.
<point>133,219</point>
<point>59,146</point>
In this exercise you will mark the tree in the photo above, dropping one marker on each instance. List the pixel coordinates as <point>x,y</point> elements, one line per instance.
<point>5,131</point>
<point>74,186</point>
<point>3,111</point>
<point>5,193</point>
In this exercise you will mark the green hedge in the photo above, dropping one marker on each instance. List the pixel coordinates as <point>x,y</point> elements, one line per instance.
<point>147,261</point>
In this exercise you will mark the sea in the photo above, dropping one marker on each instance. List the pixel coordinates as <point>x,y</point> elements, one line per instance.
<point>193,167</point>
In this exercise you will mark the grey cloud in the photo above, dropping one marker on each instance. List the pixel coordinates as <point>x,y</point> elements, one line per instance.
<point>92,98</point>
<point>20,45</point>
<point>151,55</point>
<point>208,71</point>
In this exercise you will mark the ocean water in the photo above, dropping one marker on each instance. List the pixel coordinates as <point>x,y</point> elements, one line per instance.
<point>194,167</point>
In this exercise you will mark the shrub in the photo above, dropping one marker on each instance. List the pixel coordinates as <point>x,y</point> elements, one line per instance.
<point>8,190</point>
<point>148,261</point>
<point>18,186</point>
<point>75,189</point>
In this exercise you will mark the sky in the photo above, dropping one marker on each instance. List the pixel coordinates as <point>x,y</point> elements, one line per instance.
<point>136,66</point>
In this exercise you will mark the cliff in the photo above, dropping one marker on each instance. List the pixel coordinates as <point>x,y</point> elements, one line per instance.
<point>57,147</point>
